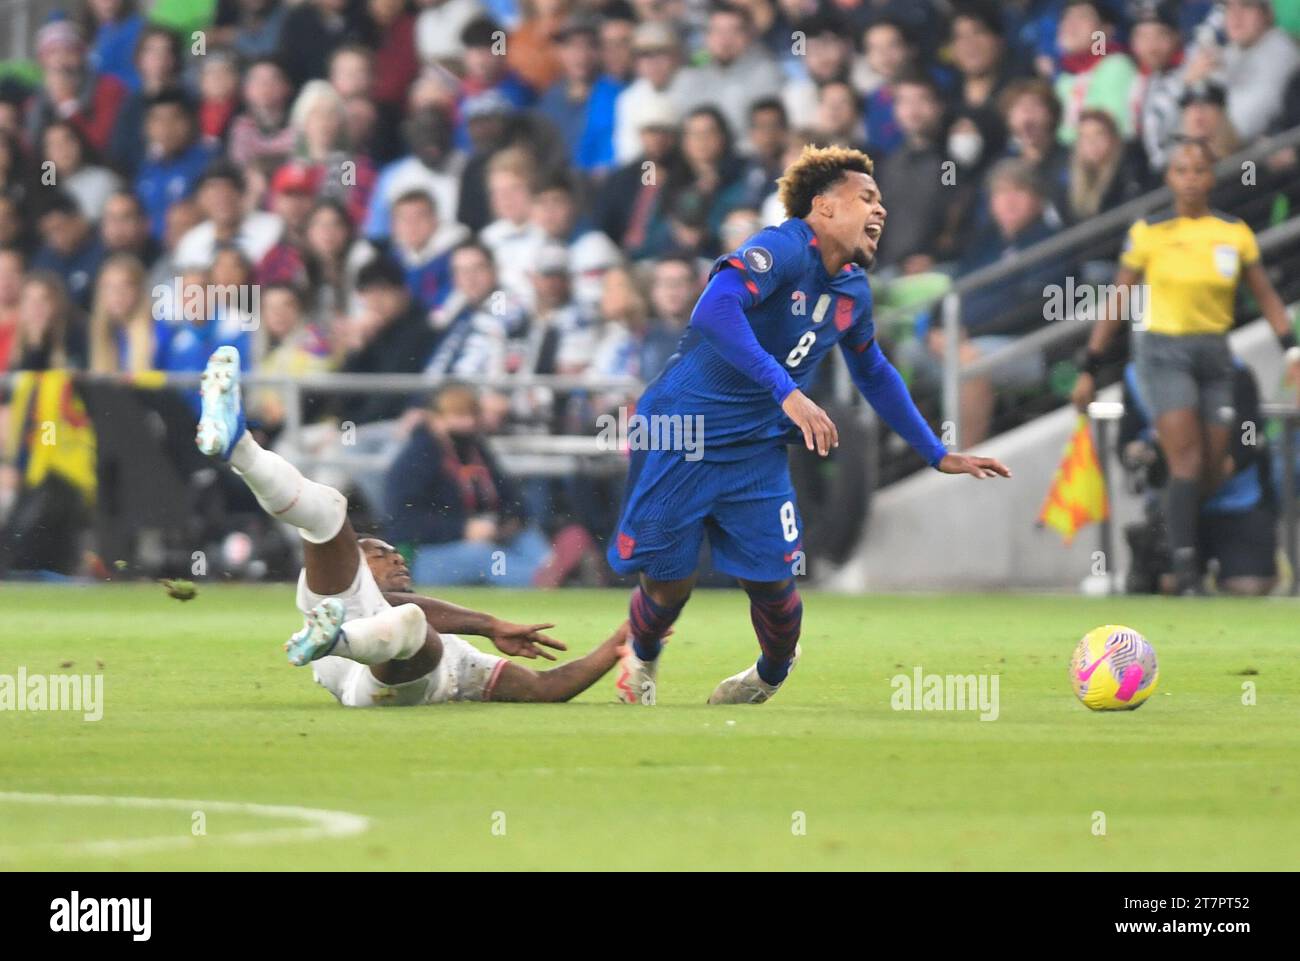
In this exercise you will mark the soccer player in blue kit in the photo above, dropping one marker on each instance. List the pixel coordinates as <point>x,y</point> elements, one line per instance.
<point>769,314</point>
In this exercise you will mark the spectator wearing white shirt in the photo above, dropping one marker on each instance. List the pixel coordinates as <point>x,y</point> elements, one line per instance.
<point>739,70</point>
<point>1254,65</point>
<point>220,196</point>
<point>660,77</point>
<point>474,322</point>
<point>514,238</point>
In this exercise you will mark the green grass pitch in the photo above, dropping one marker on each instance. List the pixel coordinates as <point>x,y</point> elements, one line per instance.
<point>201,704</point>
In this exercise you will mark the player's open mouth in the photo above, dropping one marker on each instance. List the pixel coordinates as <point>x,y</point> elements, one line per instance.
<point>873,232</point>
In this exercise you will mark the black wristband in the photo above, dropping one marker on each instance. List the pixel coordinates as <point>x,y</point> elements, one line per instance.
<point>1288,340</point>
<point>1090,364</point>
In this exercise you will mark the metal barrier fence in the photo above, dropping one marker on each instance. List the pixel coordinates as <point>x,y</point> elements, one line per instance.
<point>523,453</point>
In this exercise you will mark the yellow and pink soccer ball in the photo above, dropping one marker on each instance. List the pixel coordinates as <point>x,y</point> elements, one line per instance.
<point>1114,669</point>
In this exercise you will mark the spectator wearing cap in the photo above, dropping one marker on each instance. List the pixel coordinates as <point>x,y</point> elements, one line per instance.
<point>434,166</point>
<point>514,237</point>
<point>113,27</point>
<point>1254,65</point>
<point>218,95</point>
<point>1205,117</point>
<point>312,31</point>
<point>591,257</point>
<point>226,222</point>
<point>422,244</point>
<point>262,130</point>
<point>71,248</point>
<point>157,64</point>
<point>1094,74</point>
<point>319,121</point>
<point>474,323</point>
<point>738,70</point>
<point>827,56</point>
<point>566,102</point>
<point>175,158</point>
<point>626,200</point>
<point>1157,50</point>
<point>438,28</point>
<point>560,337</point>
<point>70,90</point>
<point>292,190</point>
<point>532,51</point>
<point>660,79</point>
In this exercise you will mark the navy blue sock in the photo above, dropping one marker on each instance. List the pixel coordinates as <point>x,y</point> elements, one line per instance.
<point>650,622</point>
<point>777,617</point>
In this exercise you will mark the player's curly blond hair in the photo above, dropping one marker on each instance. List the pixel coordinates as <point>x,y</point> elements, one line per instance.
<point>816,169</point>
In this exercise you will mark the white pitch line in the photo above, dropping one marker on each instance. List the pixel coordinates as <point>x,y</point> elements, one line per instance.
<point>320,823</point>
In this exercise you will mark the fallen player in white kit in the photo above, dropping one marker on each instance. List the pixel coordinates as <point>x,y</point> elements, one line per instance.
<point>369,642</point>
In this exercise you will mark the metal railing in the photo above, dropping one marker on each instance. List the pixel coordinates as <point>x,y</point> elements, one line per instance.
<point>523,454</point>
<point>1060,245</point>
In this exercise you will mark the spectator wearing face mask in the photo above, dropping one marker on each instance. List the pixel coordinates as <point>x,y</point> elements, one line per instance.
<point>981,58</point>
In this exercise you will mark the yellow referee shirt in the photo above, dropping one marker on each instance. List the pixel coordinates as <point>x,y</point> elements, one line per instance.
<point>1191,266</point>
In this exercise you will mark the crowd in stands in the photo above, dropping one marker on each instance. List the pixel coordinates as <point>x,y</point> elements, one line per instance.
<point>487,188</point>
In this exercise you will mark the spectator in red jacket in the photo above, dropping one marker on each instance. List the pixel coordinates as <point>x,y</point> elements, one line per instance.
<point>69,90</point>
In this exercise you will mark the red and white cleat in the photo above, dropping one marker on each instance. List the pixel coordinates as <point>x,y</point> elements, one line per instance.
<point>636,678</point>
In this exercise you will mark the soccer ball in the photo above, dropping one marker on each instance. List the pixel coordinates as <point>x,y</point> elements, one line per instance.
<point>1114,669</point>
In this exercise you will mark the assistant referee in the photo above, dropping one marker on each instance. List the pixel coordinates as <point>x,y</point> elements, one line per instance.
<point>1191,260</point>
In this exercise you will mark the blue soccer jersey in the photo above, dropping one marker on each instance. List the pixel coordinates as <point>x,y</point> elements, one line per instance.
<point>798,313</point>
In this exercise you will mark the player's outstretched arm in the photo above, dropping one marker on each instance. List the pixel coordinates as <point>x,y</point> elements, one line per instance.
<point>517,640</point>
<point>884,389</point>
<point>518,683</point>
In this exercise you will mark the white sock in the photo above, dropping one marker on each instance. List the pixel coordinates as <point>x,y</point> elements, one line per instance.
<point>395,634</point>
<point>316,510</point>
